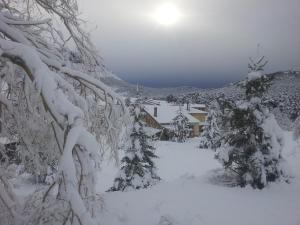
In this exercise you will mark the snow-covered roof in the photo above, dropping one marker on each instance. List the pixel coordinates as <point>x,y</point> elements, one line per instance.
<point>151,131</point>
<point>5,140</point>
<point>193,110</point>
<point>198,105</point>
<point>166,112</point>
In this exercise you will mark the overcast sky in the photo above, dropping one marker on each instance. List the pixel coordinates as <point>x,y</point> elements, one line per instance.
<point>207,47</point>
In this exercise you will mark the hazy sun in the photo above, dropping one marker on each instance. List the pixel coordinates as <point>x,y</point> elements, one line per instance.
<point>167,14</point>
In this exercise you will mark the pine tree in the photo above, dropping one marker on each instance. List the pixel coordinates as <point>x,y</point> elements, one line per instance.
<point>181,127</point>
<point>251,138</point>
<point>137,167</point>
<point>210,137</point>
<point>127,101</point>
<point>171,98</point>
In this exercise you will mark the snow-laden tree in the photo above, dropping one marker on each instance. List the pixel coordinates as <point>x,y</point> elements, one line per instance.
<point>256,67</point>
<point>138,168</point>
<point>180,126</point>
<point>256,83</point>
<point>252,141</point>
<point>210,137</point>
<point>56,107</point>
<point>297,129</point>
<point>25,124</point>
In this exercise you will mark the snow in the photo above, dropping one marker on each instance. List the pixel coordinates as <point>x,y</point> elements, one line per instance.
<point>183,160</point>
<point>45,81</point>
<point>108,74</point>
<point>275,133</point>
<point>253,75</point>
<point>151,131</point>
<point>185,196</point>
<point>4,140</point>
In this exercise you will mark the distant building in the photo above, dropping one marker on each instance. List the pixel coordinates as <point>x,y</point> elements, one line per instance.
<point>160,115</point>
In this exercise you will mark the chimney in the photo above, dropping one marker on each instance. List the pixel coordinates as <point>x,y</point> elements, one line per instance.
<point>155,111</point>
<point>188,107</point>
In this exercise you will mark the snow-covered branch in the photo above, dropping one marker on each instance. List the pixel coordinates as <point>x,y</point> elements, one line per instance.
<point>53,100</point>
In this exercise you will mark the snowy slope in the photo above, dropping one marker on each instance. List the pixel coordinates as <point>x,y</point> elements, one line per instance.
<point>186,196</point>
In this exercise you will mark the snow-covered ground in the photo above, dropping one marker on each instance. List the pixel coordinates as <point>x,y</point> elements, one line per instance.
<point>187,197</point>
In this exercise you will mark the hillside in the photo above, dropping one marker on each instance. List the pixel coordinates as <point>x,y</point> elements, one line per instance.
<point>283,94</point>
<point>127,89</point>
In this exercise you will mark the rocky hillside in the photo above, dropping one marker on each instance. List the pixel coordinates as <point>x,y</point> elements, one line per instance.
<point>283,96</point>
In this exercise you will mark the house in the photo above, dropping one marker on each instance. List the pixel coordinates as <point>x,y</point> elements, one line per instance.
<point>160,115</point>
